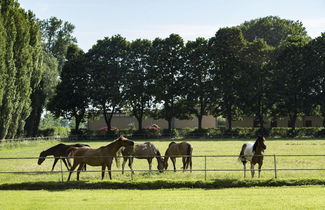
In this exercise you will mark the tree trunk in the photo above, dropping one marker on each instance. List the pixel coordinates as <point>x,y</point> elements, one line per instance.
<point>199,119</point>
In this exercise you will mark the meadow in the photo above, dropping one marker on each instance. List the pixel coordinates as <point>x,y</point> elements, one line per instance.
<point>301,189</point>
<point>201,148</point>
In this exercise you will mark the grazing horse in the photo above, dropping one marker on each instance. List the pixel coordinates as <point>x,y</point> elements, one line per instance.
<point>175,150</point>
<point>59,151</point>
<point>142,151</point>
<point>103,156</point>
<point>253,152</point>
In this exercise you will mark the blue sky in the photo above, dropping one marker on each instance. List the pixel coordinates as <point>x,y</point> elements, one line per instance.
<point>95,19</point>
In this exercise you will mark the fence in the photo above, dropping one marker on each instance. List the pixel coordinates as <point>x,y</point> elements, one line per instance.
<point>204,169</point>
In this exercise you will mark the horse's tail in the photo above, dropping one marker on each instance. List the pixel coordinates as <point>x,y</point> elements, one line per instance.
<point>241,154</point>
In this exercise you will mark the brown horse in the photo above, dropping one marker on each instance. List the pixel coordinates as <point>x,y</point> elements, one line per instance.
<point>59,151</point>
<point>175,150</point>
<point>253,152</point>
<point>102,156</point>
<point>142,151</point>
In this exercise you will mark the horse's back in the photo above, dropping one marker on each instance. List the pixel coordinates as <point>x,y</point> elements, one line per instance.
<point>145,150</point>
<point>182,148</point>
<point>247,151</point>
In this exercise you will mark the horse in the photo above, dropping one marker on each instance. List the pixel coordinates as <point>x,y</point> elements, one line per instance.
<point>59,151</point>
<point>253,152</point>
<point>142,151</point>
<point>175,150</point>
<point>102,156</point>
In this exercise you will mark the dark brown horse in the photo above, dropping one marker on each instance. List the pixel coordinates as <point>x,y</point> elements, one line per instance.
<point>59,151</point>
<point>142,151</point>
<point>103,156</point>
<point>253,152</point>
<point>175,150</point>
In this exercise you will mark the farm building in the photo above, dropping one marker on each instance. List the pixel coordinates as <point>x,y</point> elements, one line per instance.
<point>123,121</point>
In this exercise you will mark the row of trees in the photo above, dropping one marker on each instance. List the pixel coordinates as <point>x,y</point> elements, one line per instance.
<point>32,52</point>
<point>264,67</point>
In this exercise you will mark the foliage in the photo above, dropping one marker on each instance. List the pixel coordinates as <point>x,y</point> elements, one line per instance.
<point>272,29</point>
<point>167,61</point>
<point>72,96</point>
<point>107,65</point>
<point>20,62</point>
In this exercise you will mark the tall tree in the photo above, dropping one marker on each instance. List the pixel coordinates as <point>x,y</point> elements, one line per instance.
<point>197,79</point>
<point>72,94</point>
<point>138,89</point>
<point>167,61</point>
<point>22,61</point>
<point>290,89</point>
<point>57,36</point>
<point>255,80</point>
<point>272,29</point>
<point>107,61</point>
<point>226,48</point>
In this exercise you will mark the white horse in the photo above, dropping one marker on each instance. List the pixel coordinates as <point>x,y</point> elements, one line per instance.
<point>253,152</point>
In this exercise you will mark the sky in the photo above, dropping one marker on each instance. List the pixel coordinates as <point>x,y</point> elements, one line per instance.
<point>148,19</point>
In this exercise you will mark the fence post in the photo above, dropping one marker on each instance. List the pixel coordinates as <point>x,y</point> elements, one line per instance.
<point>275,171</point>
<point>205,167</point>
<point>61,169</point>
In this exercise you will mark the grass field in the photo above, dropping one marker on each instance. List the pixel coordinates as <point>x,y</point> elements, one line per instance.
<point>202,147</point>
<point>306,197</point>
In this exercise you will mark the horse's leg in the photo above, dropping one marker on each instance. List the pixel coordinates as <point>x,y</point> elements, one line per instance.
<point>252,170</point>
<point>109,167</point>
<point>150,163</point>
<point>123,164</point>
<point>55,161</point>
<point>244,164</point>
<point>81,165</point>
<point>190,159</point>
<point>130,164</point>
<point>174,163</point>
<point>184,163</point>
<point>103,171</point>
<point>65,163</point>
<point>72,169</point>
<point>259,169</point>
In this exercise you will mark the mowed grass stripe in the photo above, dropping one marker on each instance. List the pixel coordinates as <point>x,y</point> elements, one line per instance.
<point>308,197</point>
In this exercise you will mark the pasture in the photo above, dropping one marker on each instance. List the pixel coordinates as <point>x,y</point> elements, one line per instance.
<point>31,150</point>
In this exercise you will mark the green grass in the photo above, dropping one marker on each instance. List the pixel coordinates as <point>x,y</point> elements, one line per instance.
<point>201,147</point>
<point>307,197</point>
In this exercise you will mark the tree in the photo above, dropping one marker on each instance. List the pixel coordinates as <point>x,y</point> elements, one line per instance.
<point>107,63</point>
<point>57,36</point>
<point>226,48</point>
<point>197,79</point>
<point>22,64</point>
<point>272,29</point>
<point>290,88</point>
<point>167,61</point>
<point>255,80</point>
<point>72,93</point>
<point>315,72</point>
<point>137,88</point>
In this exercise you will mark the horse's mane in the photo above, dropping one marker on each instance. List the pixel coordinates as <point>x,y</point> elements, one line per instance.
<point>255,144</point>
<point>171,143</point>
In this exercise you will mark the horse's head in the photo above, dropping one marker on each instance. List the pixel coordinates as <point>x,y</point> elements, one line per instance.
<point>260,140</point>
<point>41,158</point>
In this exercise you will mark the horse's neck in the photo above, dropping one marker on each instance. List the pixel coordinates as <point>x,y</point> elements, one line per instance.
<point>258,150</point>
<point>114,146</point>
<point>50,151</point>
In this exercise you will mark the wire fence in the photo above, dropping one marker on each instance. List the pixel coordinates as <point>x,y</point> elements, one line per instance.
<point>275,169</point>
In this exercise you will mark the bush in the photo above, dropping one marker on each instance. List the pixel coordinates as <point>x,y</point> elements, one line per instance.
<point>146,133</point>
<point>55,131</point>
<point>170,133</point>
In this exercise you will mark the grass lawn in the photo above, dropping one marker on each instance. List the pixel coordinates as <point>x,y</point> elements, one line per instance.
<point>200,147</point>
<point>306,197</point>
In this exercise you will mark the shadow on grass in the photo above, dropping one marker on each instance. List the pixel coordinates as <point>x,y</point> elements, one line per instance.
<point>161,184</point>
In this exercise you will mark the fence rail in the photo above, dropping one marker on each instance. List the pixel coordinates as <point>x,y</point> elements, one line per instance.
<point>205,169</point>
